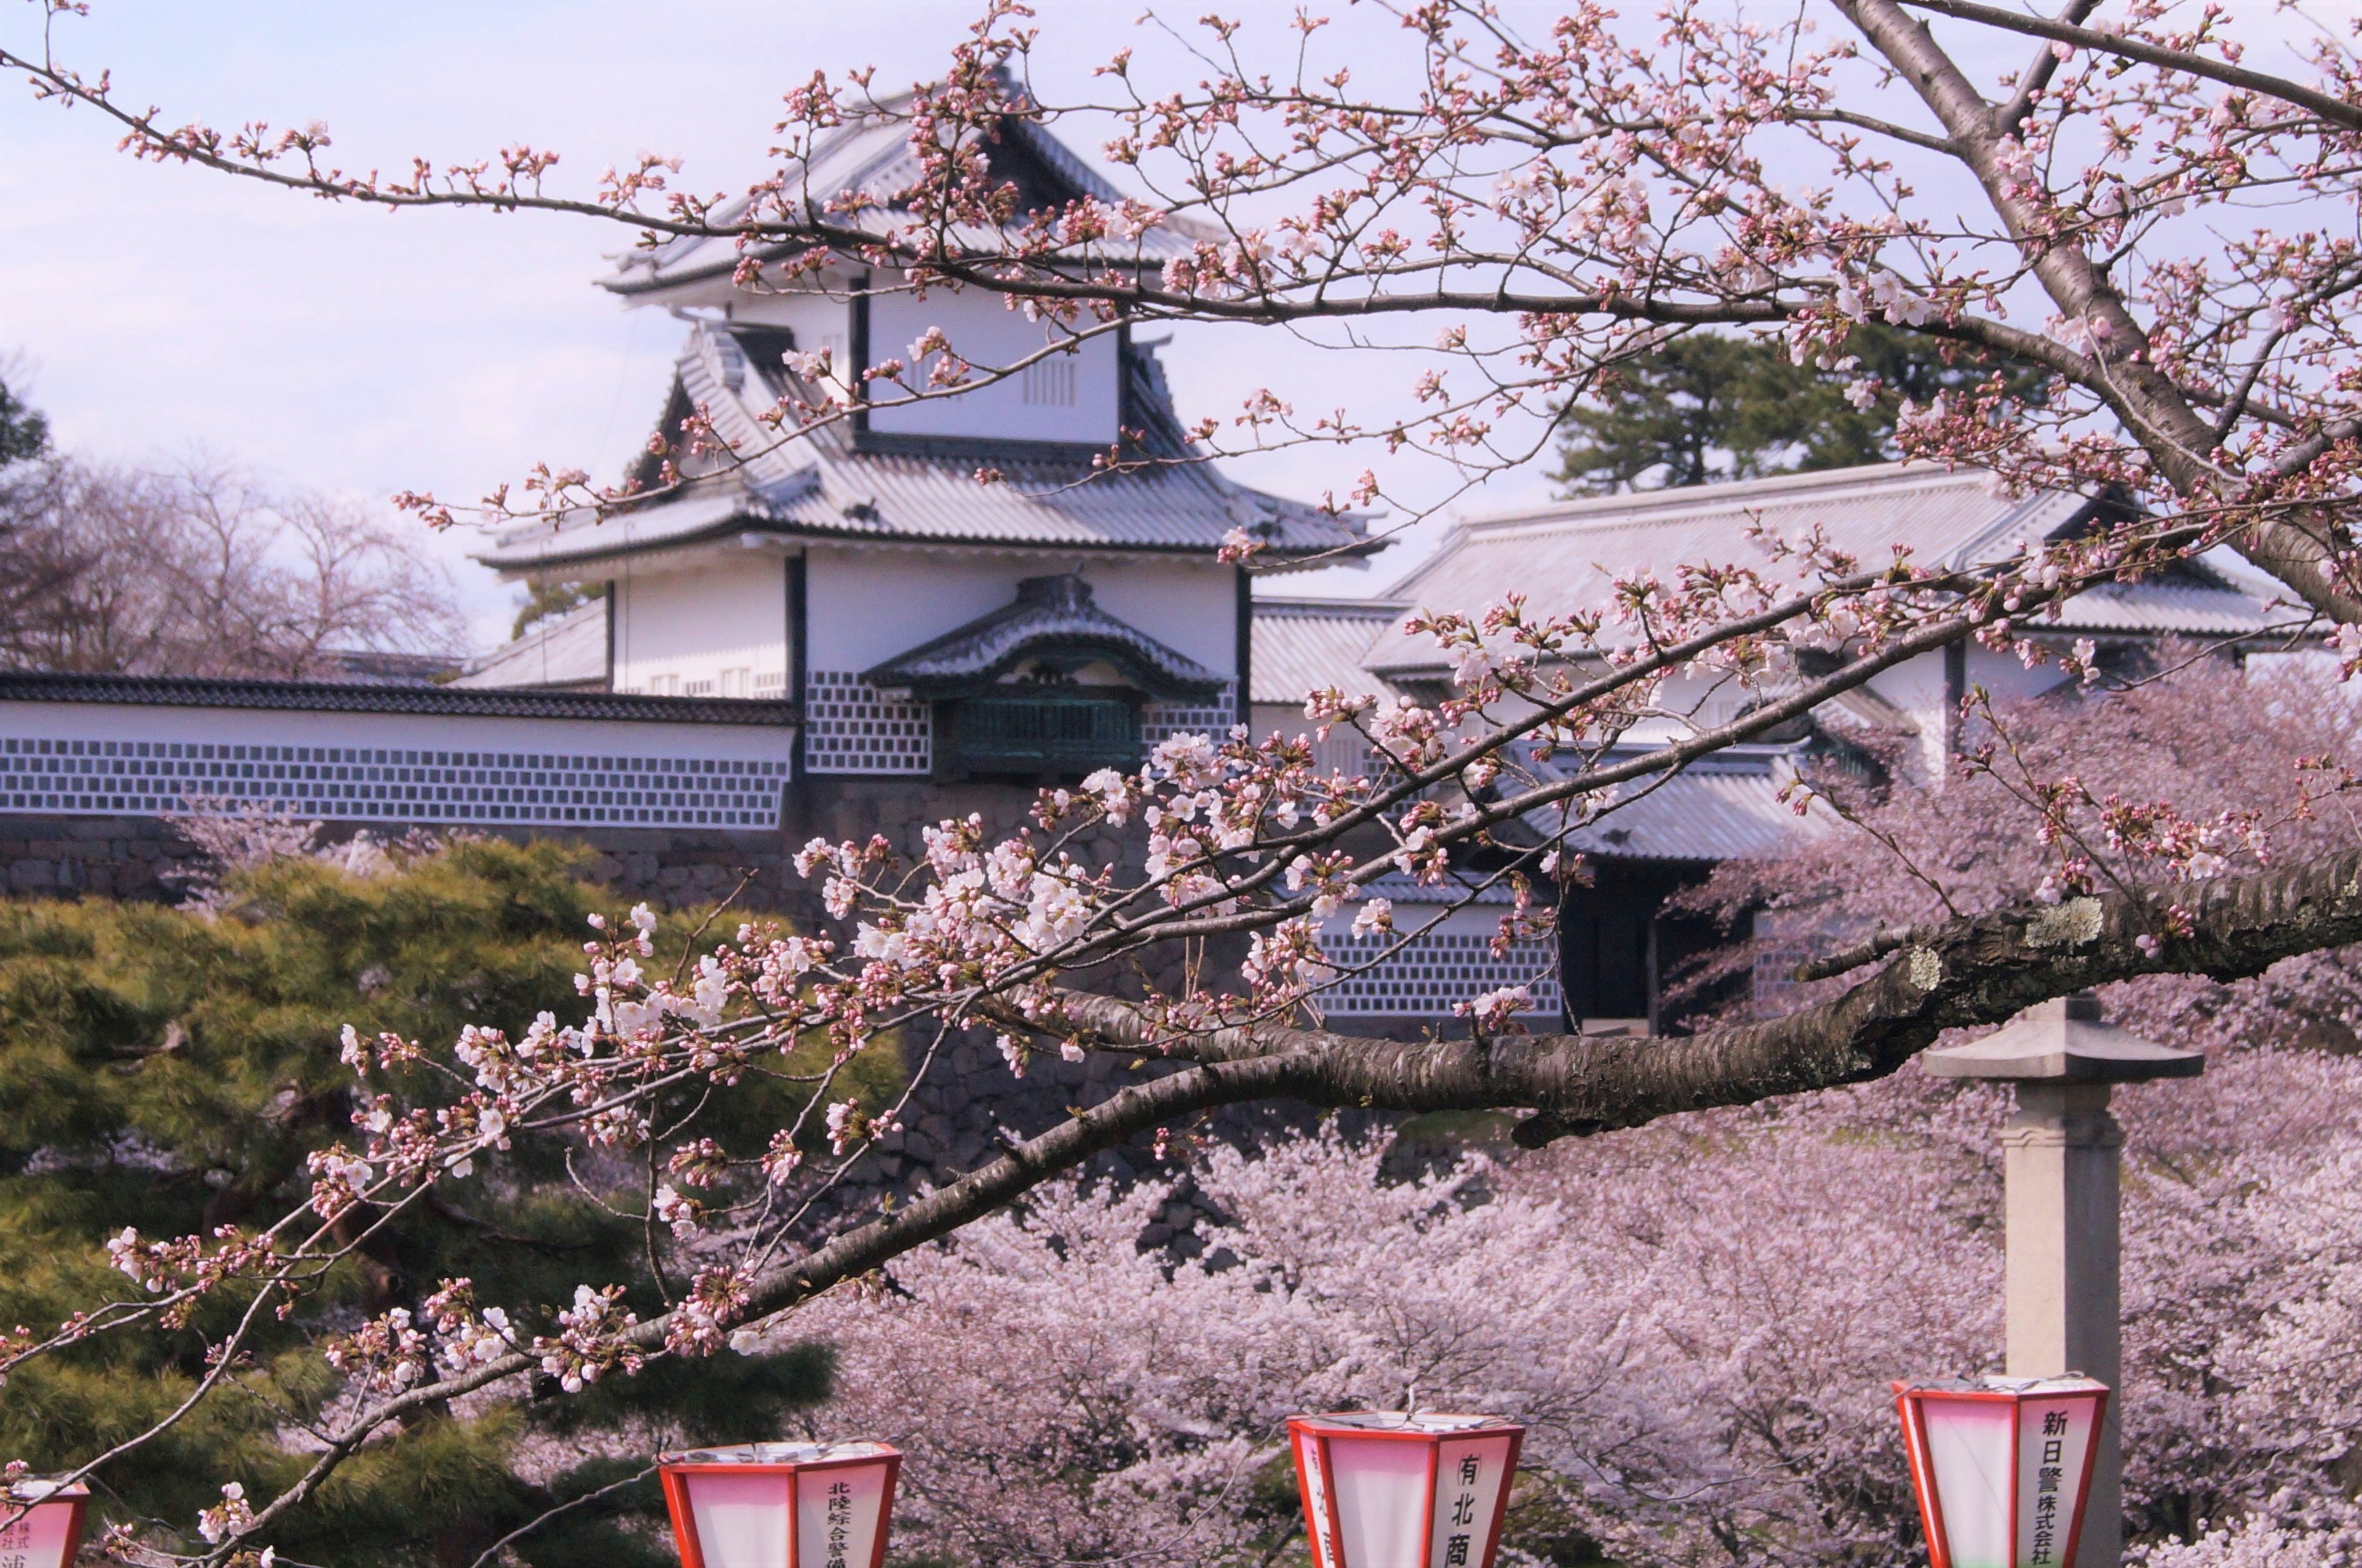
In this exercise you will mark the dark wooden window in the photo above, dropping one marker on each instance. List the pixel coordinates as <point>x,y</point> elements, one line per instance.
<point>1036,735</point>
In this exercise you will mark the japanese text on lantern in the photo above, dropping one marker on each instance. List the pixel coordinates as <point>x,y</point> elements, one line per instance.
<point>840,1522</point>
<point>1464,1516</point>
<point>15,1539</point>
<point>2045,1488</point>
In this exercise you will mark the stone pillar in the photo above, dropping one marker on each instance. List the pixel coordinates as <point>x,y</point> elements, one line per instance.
<point>2060,1155</point>
<point>2060,1167</point>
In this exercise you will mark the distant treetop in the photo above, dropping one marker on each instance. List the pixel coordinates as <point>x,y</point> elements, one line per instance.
<point>1707,407</point>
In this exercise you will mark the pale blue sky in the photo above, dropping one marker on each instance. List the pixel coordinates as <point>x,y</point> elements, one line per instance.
<point>161,309</point>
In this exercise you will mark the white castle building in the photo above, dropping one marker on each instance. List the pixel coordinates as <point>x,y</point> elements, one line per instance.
<point>845,623</point>
<point>926,625</point>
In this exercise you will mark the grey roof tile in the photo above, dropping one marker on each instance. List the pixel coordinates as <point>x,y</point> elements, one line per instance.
<point>1725,810</point>
<point>1567,556</point>
<point>563,650</point>
<point>823,484</point>
<point>871,154</point>
<point>1304,645</point>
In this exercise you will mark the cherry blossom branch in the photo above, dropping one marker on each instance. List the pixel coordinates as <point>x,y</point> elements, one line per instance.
<point>2128,46</point>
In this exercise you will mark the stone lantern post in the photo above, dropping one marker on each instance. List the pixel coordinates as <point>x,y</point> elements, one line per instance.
<point>2060,1173</point>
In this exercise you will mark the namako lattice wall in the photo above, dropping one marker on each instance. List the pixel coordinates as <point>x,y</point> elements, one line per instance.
<point>56,775</point>
<point>1426,978</point>
<point>851,727</point>
<point>73,758</point>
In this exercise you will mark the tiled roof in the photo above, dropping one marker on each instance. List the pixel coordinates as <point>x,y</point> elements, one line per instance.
<point>823,484</point>
<point>562,650</point>
<point>871,156</point>
<point>332,697</point>
<point>1566,557</point>
<point>2189,608</point>
<point>1054,619</point>
<point>1725,807</point>
<point>1304,645</point>
<point>1457,888</point>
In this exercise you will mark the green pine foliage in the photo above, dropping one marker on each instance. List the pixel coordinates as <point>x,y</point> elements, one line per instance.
<point>23,432</point>
<point>545,601</point>
<point>1706,407</point>
<point>171,1071</point>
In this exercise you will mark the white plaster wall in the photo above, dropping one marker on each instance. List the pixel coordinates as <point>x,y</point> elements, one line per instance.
<point>1187,604</point>
<point>818,321</point>
<point>867,605</point>
<point>1690,702</point>
<point>1916,686</point>
<point>986,333</point>
<point>725,623</point>
<point>2006,677</point>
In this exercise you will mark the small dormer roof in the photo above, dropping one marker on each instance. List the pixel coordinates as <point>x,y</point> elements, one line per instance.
<point>826,483</point>
<point>1055,623</point>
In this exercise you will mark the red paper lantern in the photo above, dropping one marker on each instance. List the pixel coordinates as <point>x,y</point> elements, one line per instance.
<point>2002,1466</point>
<point>1395,1489</point>
<point>47,1532</point>
<point>779,1505</point>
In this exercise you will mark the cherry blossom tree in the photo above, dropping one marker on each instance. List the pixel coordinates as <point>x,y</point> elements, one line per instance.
<point>2136,212</point>
<point>1697,1322</point>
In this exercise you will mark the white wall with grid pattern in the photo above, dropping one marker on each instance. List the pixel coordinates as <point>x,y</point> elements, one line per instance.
<point>73,759</point>
<point>851,727</point>
<point>1425,978</point>
<point>1162,720</point>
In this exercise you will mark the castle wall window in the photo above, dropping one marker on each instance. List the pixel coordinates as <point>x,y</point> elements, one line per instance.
<point>1049,383</point>
<point>1044,734</point>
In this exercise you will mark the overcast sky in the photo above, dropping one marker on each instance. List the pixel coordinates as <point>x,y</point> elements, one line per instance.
<point>156,310</point>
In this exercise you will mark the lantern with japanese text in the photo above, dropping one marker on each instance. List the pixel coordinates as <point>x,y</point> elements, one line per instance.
<point>40,1522</point>
<point>780,1505</point>
<point>2002,1466</point>
<point>1395,1489</point>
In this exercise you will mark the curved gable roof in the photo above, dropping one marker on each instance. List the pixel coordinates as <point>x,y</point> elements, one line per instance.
<point>870,156</point>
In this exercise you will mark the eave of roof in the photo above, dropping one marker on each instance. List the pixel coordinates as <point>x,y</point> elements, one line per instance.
<point>823,484</point>
<point>330,697</point>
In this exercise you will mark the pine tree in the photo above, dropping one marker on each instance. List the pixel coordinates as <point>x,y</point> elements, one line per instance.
<point>169,1071</point>
<point>1708,407</point>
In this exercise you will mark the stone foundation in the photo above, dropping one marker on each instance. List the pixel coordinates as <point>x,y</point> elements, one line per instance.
<point>145,858</point>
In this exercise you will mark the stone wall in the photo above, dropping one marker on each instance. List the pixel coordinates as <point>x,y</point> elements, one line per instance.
<point>144,857</point>
<point>120,858</point>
